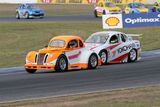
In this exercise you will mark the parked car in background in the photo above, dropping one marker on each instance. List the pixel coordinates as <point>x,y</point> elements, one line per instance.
<point>28,11</point>
<point>63,53</point>
<point>135,7</point>
<point>114,47</point>
<point>103,8</point>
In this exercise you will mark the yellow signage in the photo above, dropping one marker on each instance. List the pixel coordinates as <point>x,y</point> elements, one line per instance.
<point>112,21</point>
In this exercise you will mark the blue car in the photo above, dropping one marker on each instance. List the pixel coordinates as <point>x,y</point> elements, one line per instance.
<point>136,7</point>
<point>28,11</point>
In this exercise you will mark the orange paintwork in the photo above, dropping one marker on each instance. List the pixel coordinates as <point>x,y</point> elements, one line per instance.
<point>34,66</point>
<point>53,54</point>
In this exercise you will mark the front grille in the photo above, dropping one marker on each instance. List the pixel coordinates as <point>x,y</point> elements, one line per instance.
<point>114,11</point>
<point>40,58</point>
<point>37,12</point>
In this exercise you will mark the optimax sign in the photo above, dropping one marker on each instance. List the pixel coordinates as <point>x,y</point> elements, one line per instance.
<point>131,20</point>
<point>141,20</point>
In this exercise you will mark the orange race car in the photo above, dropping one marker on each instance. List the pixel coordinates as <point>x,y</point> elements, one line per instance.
<point>63,53</point>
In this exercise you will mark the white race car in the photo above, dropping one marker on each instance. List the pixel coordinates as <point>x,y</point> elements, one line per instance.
<point>114,47</point>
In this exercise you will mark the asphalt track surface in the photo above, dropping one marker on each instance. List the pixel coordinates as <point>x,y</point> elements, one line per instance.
<point>52,18</point>
<point>16,84</point>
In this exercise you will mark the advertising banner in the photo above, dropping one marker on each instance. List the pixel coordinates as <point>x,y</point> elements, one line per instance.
<point>141,20</point>
<point>130,20</point>
<point>111,21</point>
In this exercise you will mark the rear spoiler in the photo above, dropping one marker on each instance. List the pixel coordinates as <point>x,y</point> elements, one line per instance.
<point>134,35</point>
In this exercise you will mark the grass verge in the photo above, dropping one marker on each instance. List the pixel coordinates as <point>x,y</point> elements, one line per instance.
<point>134,97</point>
<point>17,39</point>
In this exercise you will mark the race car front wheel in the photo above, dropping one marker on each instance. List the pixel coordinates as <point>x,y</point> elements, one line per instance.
<point>31,71</point>
<point>132,57</point>
<point>103,56</point>
<point>61,64</point>
<point>93,61</point>
<point>17,16</point>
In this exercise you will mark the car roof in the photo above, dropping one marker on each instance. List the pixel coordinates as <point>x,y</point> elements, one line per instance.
<point>66,37</point>
<point>107,32</point>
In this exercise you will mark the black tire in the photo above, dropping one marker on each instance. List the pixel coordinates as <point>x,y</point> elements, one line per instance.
<point>93,61</point>
<point>31,71</point>
<point>95,14</point>
<point>61,60</point>
<point>103,56</point>
<point>41,17</point>
<point>17,15</point>
<point>132,56</point>
<point>27,15</point>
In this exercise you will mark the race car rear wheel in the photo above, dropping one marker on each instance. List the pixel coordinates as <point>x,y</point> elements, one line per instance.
<point>27,15</point>
<point>132,57</point>
<point>31,71</point>
<point>61,64</point>
<point>95,14</point>
<point>93,61</point>
<point>103,56</point>
<point>17,15</point>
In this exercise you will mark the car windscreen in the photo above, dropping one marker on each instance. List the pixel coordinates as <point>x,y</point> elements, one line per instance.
<point>109,4</point>
<point>97,38</point>
<point>57,43</point>
<point>31,6</point>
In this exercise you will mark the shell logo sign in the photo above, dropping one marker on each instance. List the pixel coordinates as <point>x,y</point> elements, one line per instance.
<point>112,21</point>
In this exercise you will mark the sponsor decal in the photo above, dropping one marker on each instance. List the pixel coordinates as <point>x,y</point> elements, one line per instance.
<point>124,49</point>
<point>119,59</point>
<point>114,46</point>
<point>75,55</point>
<point>113,53</point>
<point>46,1</point>
<point>112,21</point>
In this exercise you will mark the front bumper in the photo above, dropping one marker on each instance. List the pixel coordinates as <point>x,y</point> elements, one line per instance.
<point>35,66</point>
<point>36,15</point>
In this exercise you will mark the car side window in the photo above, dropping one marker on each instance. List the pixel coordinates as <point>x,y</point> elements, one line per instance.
<point>113,39</point>
<point>80,43</point>
<point>123,38</point>
<point>23,7</point>
<point>73,44</point>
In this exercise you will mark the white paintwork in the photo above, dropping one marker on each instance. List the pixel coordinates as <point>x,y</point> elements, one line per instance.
<point>115,52</point>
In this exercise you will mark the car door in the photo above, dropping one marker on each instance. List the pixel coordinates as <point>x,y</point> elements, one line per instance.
<point>126,45</point>
<point>124,48</point>
<point>74,52</point>
<point>114,45</point>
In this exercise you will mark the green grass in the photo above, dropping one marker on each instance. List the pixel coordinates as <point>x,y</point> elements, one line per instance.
<point>51,10</point>
<point>17,39</point>
<point>134,97</point>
